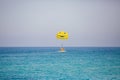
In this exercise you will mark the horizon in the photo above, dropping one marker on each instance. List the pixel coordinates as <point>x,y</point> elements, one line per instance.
<point>60,46</point>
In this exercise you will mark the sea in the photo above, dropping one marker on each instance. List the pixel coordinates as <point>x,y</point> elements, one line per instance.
<point>47,63</point>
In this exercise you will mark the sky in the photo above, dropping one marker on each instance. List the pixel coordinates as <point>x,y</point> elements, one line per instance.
<point>34,23</point>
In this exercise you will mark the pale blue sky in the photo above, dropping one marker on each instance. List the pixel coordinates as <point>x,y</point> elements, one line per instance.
<point>36,22</point>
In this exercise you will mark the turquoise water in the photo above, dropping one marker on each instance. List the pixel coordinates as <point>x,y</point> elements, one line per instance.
<point>76,63</point>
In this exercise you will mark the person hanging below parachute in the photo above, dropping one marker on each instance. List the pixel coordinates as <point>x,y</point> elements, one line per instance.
<point>62,36</point>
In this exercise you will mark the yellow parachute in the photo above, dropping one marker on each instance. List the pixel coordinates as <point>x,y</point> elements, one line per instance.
<point>62,35</point>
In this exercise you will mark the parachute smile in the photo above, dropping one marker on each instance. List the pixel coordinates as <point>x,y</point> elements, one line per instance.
<point>61,36</point>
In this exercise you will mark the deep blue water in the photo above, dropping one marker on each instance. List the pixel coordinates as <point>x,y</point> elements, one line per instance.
<point>47,63</point>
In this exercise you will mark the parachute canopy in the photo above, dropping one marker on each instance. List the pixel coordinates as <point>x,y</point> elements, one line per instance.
<point>62,35</point>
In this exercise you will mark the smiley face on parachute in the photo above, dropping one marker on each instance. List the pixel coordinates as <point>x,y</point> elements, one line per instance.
<point>62,35</point>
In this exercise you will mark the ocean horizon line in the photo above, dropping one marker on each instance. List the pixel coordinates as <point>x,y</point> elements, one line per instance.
<point>58,46</point>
